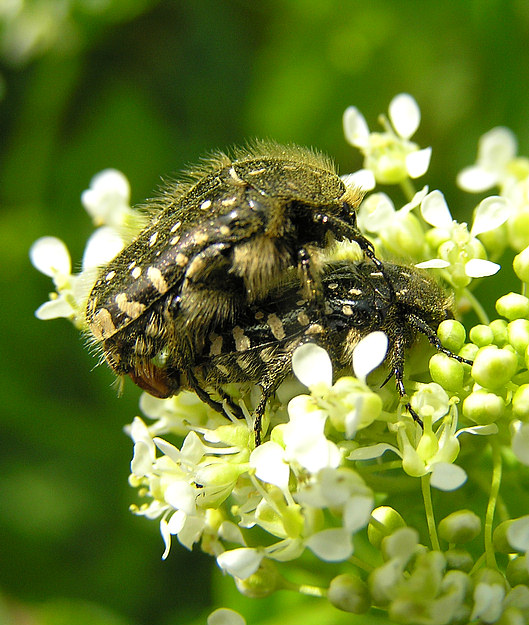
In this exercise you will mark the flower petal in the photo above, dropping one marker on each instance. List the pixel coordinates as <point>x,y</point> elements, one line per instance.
<point>491,213</point>
<point>362,179</point>
<point>312,365</point>
<point>241,562</point>
<point>355,127</point>
<point>224,616</point>
<point>496,148</point>
<point>372,451</point>
<point>475,179</point>
<point>269,464</point>
<point>435,211</point>
<point>479,268</point>
<point>50,256</point>
<point>520,443</point>
<point>417,162</point>
<point>331,545</point>
<point>54,309</point>
<point>518,533</point>
<point>369,353</point>
<point>101,247</point>
<point>404,114</point>
<point>433,263</point>
<point>447,476</point>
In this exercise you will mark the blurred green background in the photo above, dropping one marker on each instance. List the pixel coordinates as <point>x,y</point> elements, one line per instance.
<point>147,87</point>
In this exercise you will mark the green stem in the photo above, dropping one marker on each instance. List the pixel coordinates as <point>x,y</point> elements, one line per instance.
<point>491,506</point>
<point>312,591</point>
<point>428,508</point>
<point>408,189</point>
<point>478,308</point>
<point>360,563</point>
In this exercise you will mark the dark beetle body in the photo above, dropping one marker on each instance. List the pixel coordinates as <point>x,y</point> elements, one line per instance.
<point>403,302</point>
<point>214,246</point>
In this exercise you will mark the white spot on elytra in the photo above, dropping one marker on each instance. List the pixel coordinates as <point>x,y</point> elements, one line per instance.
<point>152,238</point>
<point>110,275</point>
<point>276,326</point>
<point>205,205</point>
<point>136,272</point>
<point>131,309</point>
<point>158,281</point>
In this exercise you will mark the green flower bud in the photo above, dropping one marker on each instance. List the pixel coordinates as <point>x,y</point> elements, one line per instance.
<point>468,351</point>
<point>512,615</point>
<point>516,572</point>
<point>401,544</point>
<point>406,236</point>
<point>447,372</point>
<point>481,335</point>
<point>520,402</point>
<point>495,240</point>
<point>499,329</point>
<point>518,229</point>
<point>518,332</point>
<point>521,265</point>
<point>384,521</point>
<point>513,306</point>
<point>483,407</point>
<point>452,334</point>
<point>460,527</point>
<point>350,594</point>
<point>459,559</point>
<point>489,577</point>
<point>262,583</point>
<point>499,538</point>
<point>494,367</point>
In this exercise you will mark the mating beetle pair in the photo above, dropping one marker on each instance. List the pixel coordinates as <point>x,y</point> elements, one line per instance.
<point>215,267</point>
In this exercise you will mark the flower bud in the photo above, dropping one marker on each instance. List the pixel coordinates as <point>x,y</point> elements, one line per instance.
<point>447,372</point>
<point>518,333</point>
<point>459,560</point>
<point>520,402</point>
<point>499,538</point>
<point>513,306</point>
<point>489,577</point>
<point>494,367</point>
<point>452,334</point>
<point>518,229</point>
<point>521,265</point>
<point>517,572</point>
<point>481,335</point>
<point>384,521</point>
<point>460,527</point>
<point>406,235</point>
<point>483,407</point>
<point>262,583</point>
<point>350,594</point>
<point>495,240</point>
<point>513,615</point>
<point>499,329</point>
<point>468,351</point>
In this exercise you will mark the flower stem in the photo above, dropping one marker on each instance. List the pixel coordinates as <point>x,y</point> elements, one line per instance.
<point>491,506</point>
<point>312,591</point>
<point>478,308</point>
<point>407,188</point>
<point>428,508</point>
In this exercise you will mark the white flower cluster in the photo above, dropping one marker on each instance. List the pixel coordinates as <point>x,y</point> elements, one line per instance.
<point>334,453</point>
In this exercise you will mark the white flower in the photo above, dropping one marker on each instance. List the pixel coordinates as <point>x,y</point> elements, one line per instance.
<point>461,254</point>
<point>398,231</point>
<point>390,155</point>
<point>107,199</point>
<point>224,616</point>
<point>496,149</point>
